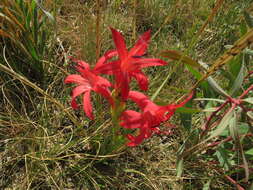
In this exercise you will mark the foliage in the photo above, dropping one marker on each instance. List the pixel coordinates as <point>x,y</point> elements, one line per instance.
<point>24,37</point>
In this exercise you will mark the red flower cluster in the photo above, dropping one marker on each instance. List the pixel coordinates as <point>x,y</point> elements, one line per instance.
<point>127,66</point>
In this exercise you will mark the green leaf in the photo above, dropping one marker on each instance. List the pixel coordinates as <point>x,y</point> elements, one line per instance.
<point>179,56</point>
<point>210,99</point>
<point>233,130</point>
<point>216,87</point>
<point>209,109</point>
<point>223,157</point>
<point>243,128</point>
<point>236,137</point>
<point>248,100</point>
<point>187,110</point>
<point>35,22</point>
<point>243,28</point>
<point>186,118</point>
<point>180,165</point>
<point>248,19</point>
<point>204,84</point>
<point>249,152</point>
<point>49,15</point>
<point>248,51</point>
<point>250,114</point>
<point>239,79</point>
<point>222,125</point>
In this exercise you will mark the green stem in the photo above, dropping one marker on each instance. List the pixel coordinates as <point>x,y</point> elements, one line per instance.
<point>116,111</point>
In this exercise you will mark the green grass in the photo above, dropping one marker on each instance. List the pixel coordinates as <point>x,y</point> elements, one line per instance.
<point>44,144</point>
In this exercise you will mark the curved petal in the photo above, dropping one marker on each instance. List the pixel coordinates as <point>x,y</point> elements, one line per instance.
<point>108,55</point>
<point>139,98</point>
<point>144,134</point>
<point>76,92</point>
<point>105,92</point>
<point>141,45</point>
<point>81,63</point>
<point>87,105</point>
<point>78,79</point>
<point>131,119</point>
<point>119,43</point>
<point>90,76</point>
<point>74,104</point>
<point>141,79</point>
<point>108,68</point>
<point>135,140</point>
<point>103,82</point>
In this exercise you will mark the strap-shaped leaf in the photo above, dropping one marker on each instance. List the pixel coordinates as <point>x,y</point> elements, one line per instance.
<point>179,56</point>
<point>49,15</point>
<point>248,19</point>
<point>222,125</point>
<point>236,137</point>
<point>239,79</point>
<point>216,87</point>
<point>248,100</point>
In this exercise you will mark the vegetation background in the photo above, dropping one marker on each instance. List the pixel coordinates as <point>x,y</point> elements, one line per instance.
<point>44,144</point>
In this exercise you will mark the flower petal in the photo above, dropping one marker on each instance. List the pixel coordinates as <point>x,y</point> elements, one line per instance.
<point>103,82</point>
<point>141,79</point>
<point>105,92</point>
<point>108,68</point>
<point>119,43</point>
<point>83,64</point>
<point>131,119</point>
<point>144,134</point>
<point>76,92</point>
<point>108,55</point>
<point>78,79</point>
<point>122,82</point>
<point>141,45</point>
<point>87,105</point>
<point>139,98</point>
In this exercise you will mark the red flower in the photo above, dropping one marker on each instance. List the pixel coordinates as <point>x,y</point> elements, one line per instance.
<point>149,119</point>
<point>130,63</point>
<point>87,81</point>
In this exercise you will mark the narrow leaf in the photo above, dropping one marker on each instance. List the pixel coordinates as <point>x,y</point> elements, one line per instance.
<point>248,100</point>
<point>239,80</point>
<point>249,152</point>
<point>180,165</point>
<point>209,99</point>
<point>49,15</point>
<point>248,19</point>
<point>187,110</point>
<point>235,135</point>
<point>250,114</point>
<point>216,87</point>
<point>222,125</point>
<point>179,56</point>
